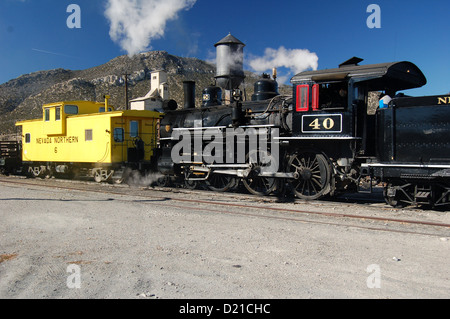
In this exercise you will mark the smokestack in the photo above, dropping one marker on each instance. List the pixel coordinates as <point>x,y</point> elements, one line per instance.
<point>189,94</point>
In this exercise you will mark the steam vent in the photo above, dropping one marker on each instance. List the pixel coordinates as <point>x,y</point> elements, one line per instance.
<point>230,63</point>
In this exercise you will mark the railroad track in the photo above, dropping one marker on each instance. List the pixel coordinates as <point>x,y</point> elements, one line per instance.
<point>323,212</point>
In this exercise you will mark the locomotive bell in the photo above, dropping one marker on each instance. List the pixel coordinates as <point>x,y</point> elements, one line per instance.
<point>230,63</point>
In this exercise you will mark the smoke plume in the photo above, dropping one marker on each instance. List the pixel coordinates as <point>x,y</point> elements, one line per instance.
<point>135,23</point>
<point>295,60</point>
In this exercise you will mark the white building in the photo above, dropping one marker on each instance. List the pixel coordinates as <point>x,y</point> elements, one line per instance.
<point>154,99</point>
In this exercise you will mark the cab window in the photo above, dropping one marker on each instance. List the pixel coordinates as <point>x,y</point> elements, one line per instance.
<point>333,95</point>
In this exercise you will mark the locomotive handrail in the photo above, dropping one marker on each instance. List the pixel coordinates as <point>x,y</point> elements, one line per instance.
<point>317,138</point>
<point>199,128</point>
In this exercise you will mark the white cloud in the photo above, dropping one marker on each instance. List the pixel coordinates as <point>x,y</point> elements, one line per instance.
<point>135,23</point>
<point>295,60</point>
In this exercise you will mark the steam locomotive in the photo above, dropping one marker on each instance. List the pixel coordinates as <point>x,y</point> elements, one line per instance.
<point>325,138</point>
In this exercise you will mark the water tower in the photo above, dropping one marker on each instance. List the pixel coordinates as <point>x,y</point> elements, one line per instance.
<point>230,63</point>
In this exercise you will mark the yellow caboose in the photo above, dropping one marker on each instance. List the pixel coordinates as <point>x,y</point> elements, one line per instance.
<point>88,138</point>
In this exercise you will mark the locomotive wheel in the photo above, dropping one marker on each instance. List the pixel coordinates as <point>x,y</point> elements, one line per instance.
<point>189,184</point>
<point>259,185</point>
<point>220,182</point>
<point>163,181</point>
<point>313,175</point>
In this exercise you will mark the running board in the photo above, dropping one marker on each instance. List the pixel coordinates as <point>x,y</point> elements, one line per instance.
<point>244,173</point>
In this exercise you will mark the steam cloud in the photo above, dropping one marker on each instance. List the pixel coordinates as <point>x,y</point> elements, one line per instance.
<point>296,60</point>
<point>135,23</point>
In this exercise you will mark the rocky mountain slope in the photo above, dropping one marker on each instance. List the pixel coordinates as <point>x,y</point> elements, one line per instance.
<point>22,98</point>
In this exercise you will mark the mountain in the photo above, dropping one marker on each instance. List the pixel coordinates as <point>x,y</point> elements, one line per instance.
<point>22,98</point>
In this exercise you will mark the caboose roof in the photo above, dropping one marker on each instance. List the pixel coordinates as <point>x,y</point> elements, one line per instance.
<point>393,75</point>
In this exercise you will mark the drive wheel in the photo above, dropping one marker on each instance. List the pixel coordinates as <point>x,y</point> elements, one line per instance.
<point>312,173</point>
<point>259,185</point>
<point>220,182</point>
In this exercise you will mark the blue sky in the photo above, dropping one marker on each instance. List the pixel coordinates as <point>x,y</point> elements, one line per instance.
<point>34,34</point>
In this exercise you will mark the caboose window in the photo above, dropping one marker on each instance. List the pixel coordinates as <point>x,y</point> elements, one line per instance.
<point>57,114</point>
<point>71,109</point>
<point>102,109</point>
<point>119,135</point>
<point>88,135</point>
<point>28,138</point>
<point>134,129</point>
<point>302,103</point>
<point>47,115</point>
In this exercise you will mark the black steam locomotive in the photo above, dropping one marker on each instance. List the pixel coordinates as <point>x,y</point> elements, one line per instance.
<point>324,139</point>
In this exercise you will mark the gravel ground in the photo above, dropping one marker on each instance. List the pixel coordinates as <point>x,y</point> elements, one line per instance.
<point>60,243</point>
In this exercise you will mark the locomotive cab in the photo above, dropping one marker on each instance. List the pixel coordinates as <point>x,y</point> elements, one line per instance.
<point>335,118</point>
<point>335,103</point>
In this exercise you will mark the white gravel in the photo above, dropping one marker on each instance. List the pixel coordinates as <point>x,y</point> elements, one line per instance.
<point>57,243</point>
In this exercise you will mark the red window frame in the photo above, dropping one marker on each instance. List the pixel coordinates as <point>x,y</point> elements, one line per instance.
<point>315,97</point>
<point>302,97</point>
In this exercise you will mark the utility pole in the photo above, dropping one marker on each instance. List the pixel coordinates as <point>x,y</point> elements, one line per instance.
<point>126,90</point>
